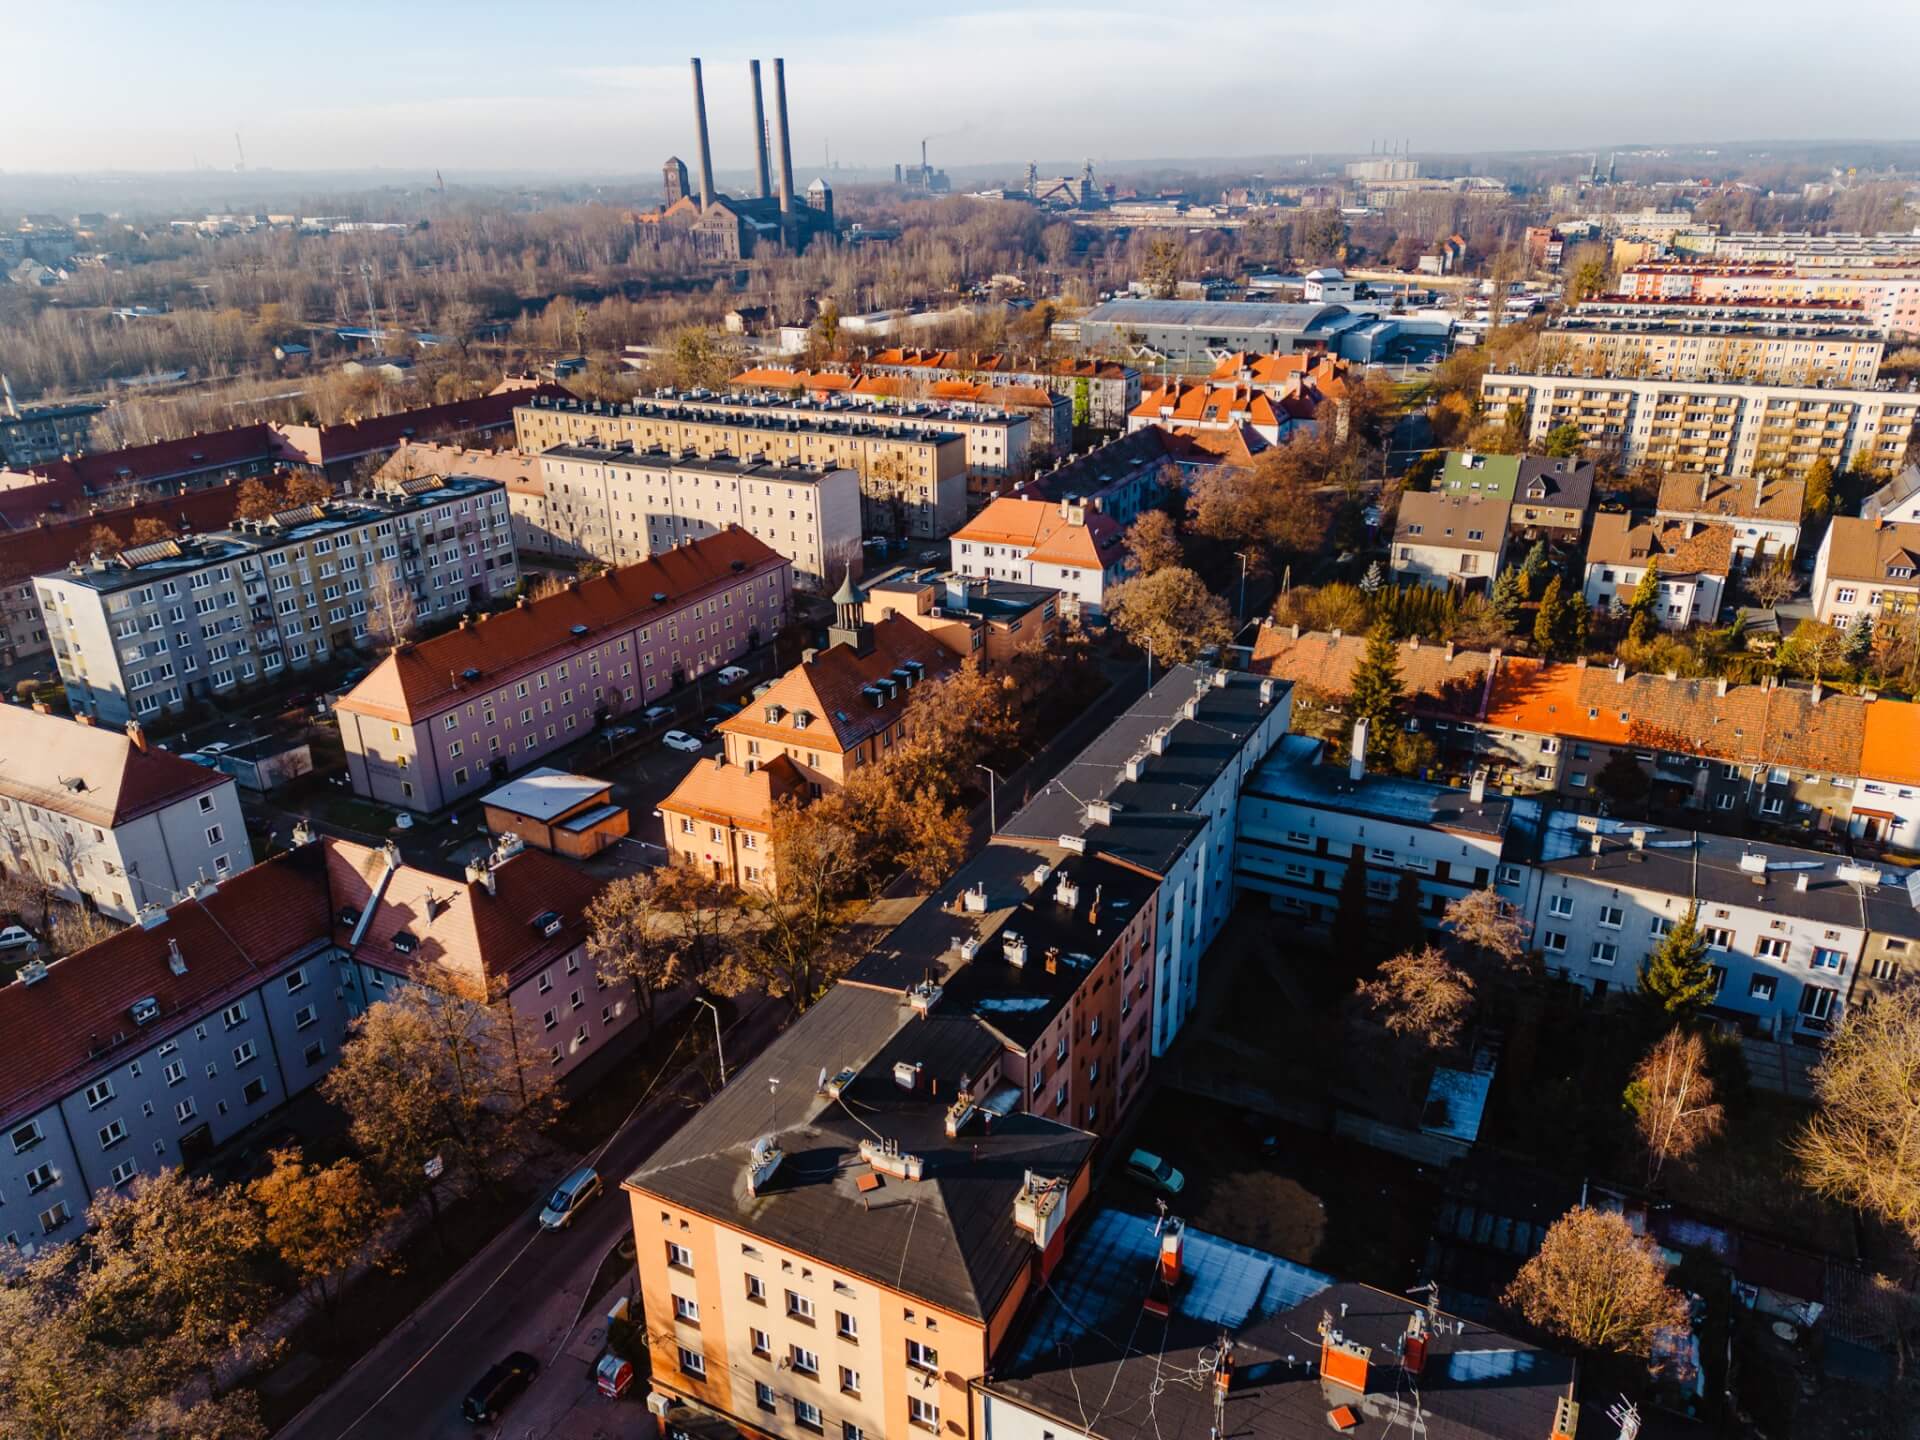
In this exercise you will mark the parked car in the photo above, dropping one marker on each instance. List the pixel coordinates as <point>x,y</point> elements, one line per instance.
<point>568,1197</point>
<point>680,740</point>
<point>654,714</point>
<point>215,747</point>
<point>615,734</point>
<point>712,720</point>
<point>15,937</point>
<point>499,1388</point>
<point>731,674</point>
<point>1155,1173</point>
<point>199,759</point>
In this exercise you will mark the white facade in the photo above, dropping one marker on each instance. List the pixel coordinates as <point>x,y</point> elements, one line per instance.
<point>1684,599</point>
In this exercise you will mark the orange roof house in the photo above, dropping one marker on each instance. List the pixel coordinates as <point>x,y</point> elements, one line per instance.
<point>1063,534</point>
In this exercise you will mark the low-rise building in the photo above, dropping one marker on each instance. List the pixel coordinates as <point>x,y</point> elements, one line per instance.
<point>991,620</point>
<point>35,434</point>
<point>89,812</point>
<point>551,810</point>
<point>913,475</point>
<point>1551,499</point>
<point>1866,568</point>
<point>1763,513</point>
<point>1101,392</point>
<point>443,718</point>
<point>1202,407</point>
<point>1065,547</point>
<point>1694,563</point>
<point>160,624</point>
<point>622,506</point>
<point>1446,539</point>
<point>1722,428</point>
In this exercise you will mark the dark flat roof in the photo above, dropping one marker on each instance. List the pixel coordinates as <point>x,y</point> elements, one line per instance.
<point>1293,773</point>
<point>928,941</point>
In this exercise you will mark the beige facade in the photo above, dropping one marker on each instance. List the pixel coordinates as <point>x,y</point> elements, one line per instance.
<point>913,480</point>
<point>998,441</point>
<point>1677,351</point>
<point>1727,429</point>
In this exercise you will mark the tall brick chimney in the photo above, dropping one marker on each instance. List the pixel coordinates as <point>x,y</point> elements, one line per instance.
<point>785,136</point>
<point>700,125</point>
<point>760,131</point>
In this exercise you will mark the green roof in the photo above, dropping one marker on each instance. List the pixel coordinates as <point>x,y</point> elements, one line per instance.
<point>1487,475</point>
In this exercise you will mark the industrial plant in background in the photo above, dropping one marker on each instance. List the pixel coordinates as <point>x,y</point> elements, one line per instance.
<point>731,227</point>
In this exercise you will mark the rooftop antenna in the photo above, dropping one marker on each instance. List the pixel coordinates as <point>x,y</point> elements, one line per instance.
<point>373,316</point>
<point>240,155</point>
<point>1432,1291</point>
<point>773,1101</point>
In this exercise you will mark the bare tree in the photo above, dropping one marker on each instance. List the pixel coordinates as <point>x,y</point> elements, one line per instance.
<point>1671,1097</point>
<point>1489,925</point>
<point>1421,995</point>
<point>632,939</point>
<point>393,614</point>
<point>1599,1285</point>
<point>1862,1146</point>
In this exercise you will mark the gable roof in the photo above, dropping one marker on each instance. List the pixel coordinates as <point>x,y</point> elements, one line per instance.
<point>515,469</point>
<point>1869,549</point>
<point>165,459</point>
<point>827,690</point>
<point>1733,497</point>
<point>59,1030</point>
<point>330,444</point>
<point>91,773</point>
<point>1048,536</point>
<point>1184,403</point>
<point>39,549</point>
<point>1890,747</point>
<point>416,679</point>
<point>726,794</point>
<point>1619,539</point>
<point>1437,679</point>
<point>1445,520</point>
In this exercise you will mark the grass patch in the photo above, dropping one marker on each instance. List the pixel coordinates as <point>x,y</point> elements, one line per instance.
<point>353,813</point>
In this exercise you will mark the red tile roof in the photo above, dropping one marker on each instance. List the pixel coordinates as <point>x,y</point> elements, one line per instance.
<point>41,548</point>
<point>414,681</point>
<point>726,794</point>
<point>329,444</point>
<point>52,1032</point>
<point>1039,528</point>
<point>827,688</point>
<point>1436,679</point>
<point>90,772</point>
<point>166,459</point>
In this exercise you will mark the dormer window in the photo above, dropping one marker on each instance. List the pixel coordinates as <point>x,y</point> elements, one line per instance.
<point>404,943</point>
<point>349,915</point>
<point>1899,572</point>
<point>547,922</point>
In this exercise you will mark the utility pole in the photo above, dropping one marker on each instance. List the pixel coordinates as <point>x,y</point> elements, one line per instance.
<point>993,814</point>
<point>720,1053</point>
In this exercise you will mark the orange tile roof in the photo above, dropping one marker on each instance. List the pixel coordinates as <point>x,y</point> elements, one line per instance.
<point>1890,749</point>
<point>1620,540</point>
<point>1743,497</point>
<point>1438,679</point>
<point>772,378</point>
<point>518,470</point>
<point>416,680</point>
<point>1048,536</point>
<point>726,794</point>
<point>1236,446</point>
<point>827,690</point>
<point>1545,699</point>
<point>1183,404</point>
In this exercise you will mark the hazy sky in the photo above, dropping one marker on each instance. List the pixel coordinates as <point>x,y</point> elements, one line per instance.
<point>593,86</point>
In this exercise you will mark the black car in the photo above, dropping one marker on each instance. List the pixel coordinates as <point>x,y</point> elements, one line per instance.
<point>711,721</point>
<point>499,1388</point>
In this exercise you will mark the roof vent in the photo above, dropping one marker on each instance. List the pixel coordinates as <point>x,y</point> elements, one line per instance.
<point>151,916</point>
<point>1863,875</point>
<point>762,1160</point>
<point>33,972</point>
<point>1068,892</point>
<point>1158,742</point>
<point>906,1073</point>
<point>1751,864</point>
<point>833,1086</point>
<point>959,1112</point>
<point>924,996</point>
<point>974,899</point>
<point>577,631</point>
<point>1100,812</point>
<point>1014,947</point>
<point>176,962</point>
<point>469,675</point>
<point>144,1009</point>
<point>659,597</point>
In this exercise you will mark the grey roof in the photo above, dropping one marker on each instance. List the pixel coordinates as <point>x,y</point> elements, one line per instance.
<point>717,464</point>
<point>1293,773</point>
<point>1100,469</point>
<point>929,939</point>
<point>1567,483</point>
<point>1895,492</point>
<point>1196,751</point>
<point>1093,1358</point>
<point>544,793</point>
<point>948,1238</point>
<point>1294,318</point>
<point>1705,867</point>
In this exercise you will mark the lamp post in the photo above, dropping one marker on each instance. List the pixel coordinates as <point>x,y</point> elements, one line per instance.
<point>993,812</point>
<point>1241,613</point>
<point>717,1050</point>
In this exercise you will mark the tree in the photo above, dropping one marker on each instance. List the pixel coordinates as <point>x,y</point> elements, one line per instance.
<point>1404,929</point>
<point>1560,627</point>
<point>1352,930</point>
<point>1172,612</point>
<point>307,489</point>
<point>393,613</point>
<point>1626,786</point>
<point>1675,977</point>
<point>1671,1097</point>
<point>1596,1283</point>
<point>630,939</point>
<point>255,501</point>
<point>1373,580</point>
<point>1862,1146</point>
<point>1860,640</point>
<point>787,949</point>
<point>1421,995</point>
<point>700,357</point>
<point>1644,604</point>
<point>75,927</point>
<point>1162,268</point>
<point>1819,481</point>
<point>1488,926</point>
<point>1771,583</point>
<point>1152,544</point>
<point>150,528</point>
<point>319,1220</point>
<point>1533,567</point>
<point>1374,692</point>
<point>1276,502</point>
<point>103,541</point>
<point>1563,442</point>
<point>1509,594</point>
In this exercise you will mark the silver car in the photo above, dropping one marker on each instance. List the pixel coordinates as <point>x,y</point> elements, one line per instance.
<point>568,1197</point>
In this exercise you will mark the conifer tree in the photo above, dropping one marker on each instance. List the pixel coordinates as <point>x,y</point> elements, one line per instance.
<point>1675,977</point>
<point>1375,691</point>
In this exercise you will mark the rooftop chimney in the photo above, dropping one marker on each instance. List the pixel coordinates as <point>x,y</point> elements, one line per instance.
<point>1477,792</point>
<point>1357,761</point>
<point>1344,1363</point>
<point>706,150</point>
<point>785,136</point>
<point>760,130</point>
<point>137,735</point>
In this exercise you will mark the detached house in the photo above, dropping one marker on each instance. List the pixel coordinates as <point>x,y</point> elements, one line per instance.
<point>1866,567</point>
<point>1763,514</point>
<point>1695,562</point>
<point>1551,498</point>
<point>1065,547</point>
<point>1444,540</point>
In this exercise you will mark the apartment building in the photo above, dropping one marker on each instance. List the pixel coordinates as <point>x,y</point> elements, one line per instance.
<point>156,1045</point>
<point>1866,567</point>
<point>912,476</point>
<point>1304,823</point>
<point>1065,547</point>
<point>1694,564</point>
<point>148,629</point>
<point>1674,349</point>
<point>866,1283</point>
<point>1048,417</point>
<point>1120,478</point>
<point>1550,498</point>
<point>1888,291</point>
<point>443,718</point>
<point>100,814</point>
<point>35,434</point>
<point>1101,392</point>
<point>621,507</point>
<point>1733,315</point>
<point>1203,407</point>
<point>1721,428</point>
<point>1763,512</point>
<point>1159,791</point>
<point>1446,538</point>
<point>990,620</point>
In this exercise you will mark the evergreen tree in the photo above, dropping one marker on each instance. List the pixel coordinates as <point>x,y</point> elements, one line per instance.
<point>1371,582</point>
<point>1624,783</point>
<point>1575,623</point>
<point>1547,621</point>
<point>1644,606</point>
<point>1675,977</point>
<point>1375,693</point>
<point>1509,594</point>
<point>1533,567</point>
<point>1860,641</point>
<point>1351,959</point>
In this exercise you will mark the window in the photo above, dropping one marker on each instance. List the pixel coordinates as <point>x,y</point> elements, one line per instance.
<point>214,833</point>
<point>1659,925</point>
<point>849,1381</point>
<point>1761,988</point>
<point>176,1071</point>
<point>756,1290</point>
<point>254,1091</point>
<point>805,1362</point>
<point>304,1016</point>
<point>763,1395</point>
<point>40,1177</point>
<point>244,1054</point>
<point>124,1171</point>
<point>687,1310</point>
<point>1605,952</point>
<point>922,1357</point>
<point>1560,906</point>
<point>851,1431</point>
<point>1816,1005</point>
<point>806,1415</point>
<point>51,1220</point>
<point>845,1326</point>
<point>99,1093</point>
<point>1828,960</point>
<point>234,1014</point>
<point>679,1257</point>
<point>693,1363</point>
<point>1553,942</point>
<point>799,1307</point>
<point>185,1110</point>
<point>297,981</point>
<point>1719,939</point>
<point>112,1134</point>
<point>1770,947</point>
<point>923,1413</point>
<point>762,1343</point>
<point>1611,916</point>
<point>26,1136</point>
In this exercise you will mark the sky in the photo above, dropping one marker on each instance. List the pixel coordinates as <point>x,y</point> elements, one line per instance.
<point>593,87</point>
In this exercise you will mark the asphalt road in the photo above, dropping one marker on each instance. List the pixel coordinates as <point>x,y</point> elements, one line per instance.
<point>527,1290</point>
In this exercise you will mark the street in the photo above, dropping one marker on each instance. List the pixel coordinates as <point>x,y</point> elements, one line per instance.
<point>527,1290</point>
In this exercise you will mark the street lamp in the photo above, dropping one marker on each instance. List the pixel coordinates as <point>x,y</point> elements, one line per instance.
<point>717,1050</point>
<point>1241,613</point>
<point>993,813</point>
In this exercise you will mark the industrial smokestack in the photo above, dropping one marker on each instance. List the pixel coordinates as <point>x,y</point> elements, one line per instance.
<point>786,136</point>
<point>760,131</point>
<point>706,150</point>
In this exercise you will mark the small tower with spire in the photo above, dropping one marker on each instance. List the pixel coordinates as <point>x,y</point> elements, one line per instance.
<point>849,624</point>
